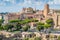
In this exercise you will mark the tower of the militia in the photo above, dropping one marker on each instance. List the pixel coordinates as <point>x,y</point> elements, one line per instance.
<point>46,10</point>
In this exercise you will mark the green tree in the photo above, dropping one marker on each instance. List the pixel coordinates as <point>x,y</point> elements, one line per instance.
<point>40,23</point>
<point>47,26</point>
<point>26,21</point>
<point>15,21</point>
<point>40,26</point>
<point>25,28</point>
<point>18,23</point>
<point>1,27</point>
<point>1,21</point>
<point>37,38</point>
<point>8,27</point>
<point>59,38</point>
<point>49,21</point>
<point>34,20</point>
<point>26,38</point>
<point>18,26</point>
<point>28,26</point>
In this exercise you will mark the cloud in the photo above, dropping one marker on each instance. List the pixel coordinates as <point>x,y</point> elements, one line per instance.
<point>50,2</point>
<point>54,2</point>
<point>2,4</point>
<point>6,0</point>
<point>11,1</point>
<point>29,2</point>
<point>26,3</point>
<point>38,3</point>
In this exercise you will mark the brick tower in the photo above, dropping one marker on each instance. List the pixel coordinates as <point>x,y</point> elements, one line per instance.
<point>46,10</point>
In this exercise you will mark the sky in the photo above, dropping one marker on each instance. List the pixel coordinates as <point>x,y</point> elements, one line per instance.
<point>17,5</point>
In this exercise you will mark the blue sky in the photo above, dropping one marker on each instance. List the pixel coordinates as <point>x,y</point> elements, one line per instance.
<point>17,5</point>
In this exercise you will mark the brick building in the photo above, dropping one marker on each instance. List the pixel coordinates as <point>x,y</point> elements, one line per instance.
<point>40,15</point>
